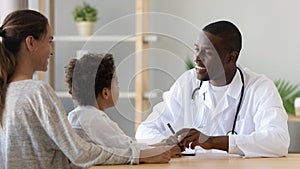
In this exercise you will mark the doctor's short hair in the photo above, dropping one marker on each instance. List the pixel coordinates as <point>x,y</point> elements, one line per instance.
<point>86,77</point>
<point>232,38</point>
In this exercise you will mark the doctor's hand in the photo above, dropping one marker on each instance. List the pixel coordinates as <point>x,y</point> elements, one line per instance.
<point>191,138</point>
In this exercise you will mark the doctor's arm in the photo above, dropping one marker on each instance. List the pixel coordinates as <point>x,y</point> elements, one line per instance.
<point>269,139</point>
<point>270,135</point>
<point>151,130</point>
<point>154,129</point>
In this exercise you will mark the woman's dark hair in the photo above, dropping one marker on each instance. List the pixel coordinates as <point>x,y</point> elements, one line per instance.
<point>230,34</point>
<point>86,77</point>
<point>15,28</point>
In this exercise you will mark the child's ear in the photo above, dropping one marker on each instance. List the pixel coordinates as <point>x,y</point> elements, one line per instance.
<point>105,93</point>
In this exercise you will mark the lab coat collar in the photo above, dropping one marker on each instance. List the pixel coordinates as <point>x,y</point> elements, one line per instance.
<point>233,91</point>
<point>235,86</point>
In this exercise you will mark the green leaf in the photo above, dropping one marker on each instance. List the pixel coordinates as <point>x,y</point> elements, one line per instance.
<point>189,64</point>
<point>288,92</point>
<point>85,13</point>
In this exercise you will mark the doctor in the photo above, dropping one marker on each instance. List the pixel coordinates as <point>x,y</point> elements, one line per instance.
<point>219,105</point>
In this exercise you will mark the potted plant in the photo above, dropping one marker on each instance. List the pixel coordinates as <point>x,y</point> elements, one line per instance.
<point>85,16</point>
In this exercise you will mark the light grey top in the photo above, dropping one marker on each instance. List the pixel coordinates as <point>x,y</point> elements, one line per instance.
<point>35,133</point>
<point>95,126</point>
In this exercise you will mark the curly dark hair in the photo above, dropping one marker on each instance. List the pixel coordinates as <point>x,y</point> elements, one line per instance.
<point>86,77</point>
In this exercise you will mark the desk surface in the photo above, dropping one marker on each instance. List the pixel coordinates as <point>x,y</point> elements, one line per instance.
<point>213,161</point>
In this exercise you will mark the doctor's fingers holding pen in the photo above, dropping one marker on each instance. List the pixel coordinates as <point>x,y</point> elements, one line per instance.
<point>195,137</point>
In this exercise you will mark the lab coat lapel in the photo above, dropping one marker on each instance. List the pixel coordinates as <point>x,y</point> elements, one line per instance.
<point>221,106</point>
<point>234,90</point>
<point>232,95</point>
<point>231,98</point>
<point>215,116</point>
<point>206,95</point>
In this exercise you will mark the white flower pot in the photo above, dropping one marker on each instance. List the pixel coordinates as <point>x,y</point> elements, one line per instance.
<point>85,28</point>
<point>297,106</point>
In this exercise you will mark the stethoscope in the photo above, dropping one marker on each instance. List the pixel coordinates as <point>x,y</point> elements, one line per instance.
<point>238,106</point>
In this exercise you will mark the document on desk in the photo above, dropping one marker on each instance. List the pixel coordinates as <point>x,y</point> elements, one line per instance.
<point>213,153</point>
<point>189,152</point>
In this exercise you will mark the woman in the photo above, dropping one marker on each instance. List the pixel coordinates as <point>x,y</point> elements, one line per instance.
<point>93,84</point>
<point>35,132</point>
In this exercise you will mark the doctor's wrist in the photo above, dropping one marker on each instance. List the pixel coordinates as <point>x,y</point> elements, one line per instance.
<point>219,142</point>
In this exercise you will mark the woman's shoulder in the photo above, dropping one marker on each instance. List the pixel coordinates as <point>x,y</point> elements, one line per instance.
<point>30,83</point>
<point>30,86</point>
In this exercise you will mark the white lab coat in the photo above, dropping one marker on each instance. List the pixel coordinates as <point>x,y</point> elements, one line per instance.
<point>261,124</point>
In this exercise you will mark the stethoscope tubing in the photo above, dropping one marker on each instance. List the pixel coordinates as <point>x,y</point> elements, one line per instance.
<point>239,104</point>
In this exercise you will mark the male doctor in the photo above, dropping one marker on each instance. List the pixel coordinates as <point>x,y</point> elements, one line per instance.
<point>219,105</point>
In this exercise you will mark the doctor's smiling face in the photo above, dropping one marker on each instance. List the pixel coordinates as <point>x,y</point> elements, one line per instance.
<point>209,58</point>
<point>217,50</point>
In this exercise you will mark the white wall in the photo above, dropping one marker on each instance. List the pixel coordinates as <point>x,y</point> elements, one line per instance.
<point>112,21</point>
<point>270,31</point>
<point>8,6</point>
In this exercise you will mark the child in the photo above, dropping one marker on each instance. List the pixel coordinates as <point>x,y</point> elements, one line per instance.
<point>93,84</point>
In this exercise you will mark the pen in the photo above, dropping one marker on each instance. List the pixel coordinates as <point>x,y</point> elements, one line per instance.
<point>173,132</point>
<point>171,129</point>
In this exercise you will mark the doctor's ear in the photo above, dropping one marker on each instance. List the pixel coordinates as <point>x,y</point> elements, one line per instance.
<point>232,57</point>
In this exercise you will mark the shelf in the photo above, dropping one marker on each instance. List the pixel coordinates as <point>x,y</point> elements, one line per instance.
<point>293,118</point>
<point>103,38</point>
<point>138,37</point>
<point>131,95</point>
